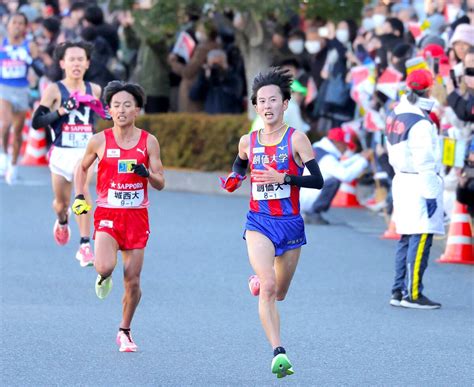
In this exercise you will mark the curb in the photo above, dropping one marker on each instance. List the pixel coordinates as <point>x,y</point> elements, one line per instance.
<point>200,182</point>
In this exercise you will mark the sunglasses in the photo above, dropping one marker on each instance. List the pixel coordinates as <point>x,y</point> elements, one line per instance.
<point>469,71</point>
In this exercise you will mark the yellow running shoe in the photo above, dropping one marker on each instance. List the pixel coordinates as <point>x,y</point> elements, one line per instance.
<point>103,286</point>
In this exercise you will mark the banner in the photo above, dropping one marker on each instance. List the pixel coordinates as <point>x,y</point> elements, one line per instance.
<point>184,46</point>
<point>390,82</point>
<point>373,121</point>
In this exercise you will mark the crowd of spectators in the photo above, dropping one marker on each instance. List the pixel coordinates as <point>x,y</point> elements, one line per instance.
<point>347,73</point>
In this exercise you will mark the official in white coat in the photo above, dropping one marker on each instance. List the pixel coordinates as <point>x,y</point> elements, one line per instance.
<point>414,153</point>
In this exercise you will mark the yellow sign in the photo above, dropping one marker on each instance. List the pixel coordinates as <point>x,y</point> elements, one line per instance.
<point>449,151</point>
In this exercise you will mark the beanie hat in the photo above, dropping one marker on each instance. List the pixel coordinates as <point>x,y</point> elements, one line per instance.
<point>402,50</point>
<point>432,39</point>
<point>463,33</point>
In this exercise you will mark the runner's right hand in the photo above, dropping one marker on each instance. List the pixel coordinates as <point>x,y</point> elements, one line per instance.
<point>232,182</point>
<point>80,205</point>
<point>69,105</point>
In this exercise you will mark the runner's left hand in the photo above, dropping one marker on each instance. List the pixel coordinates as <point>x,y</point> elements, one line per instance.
<point>268,176</point>
<point>140,170</point>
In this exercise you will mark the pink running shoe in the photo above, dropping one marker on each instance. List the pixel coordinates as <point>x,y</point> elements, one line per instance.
<point>62,233</point>
<point>125,341</point>
<point>84,255</point>
<point>254,285</point>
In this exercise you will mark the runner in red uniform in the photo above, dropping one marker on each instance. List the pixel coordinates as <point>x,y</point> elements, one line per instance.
<point>129,159</point>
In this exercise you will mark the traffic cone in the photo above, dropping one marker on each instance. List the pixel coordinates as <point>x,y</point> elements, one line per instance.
<point>391,231</point>
<point>36,148</point>
<point>459,247</point>
<point>24,136</point>
<point>346,196</point>
<point>24,133</point>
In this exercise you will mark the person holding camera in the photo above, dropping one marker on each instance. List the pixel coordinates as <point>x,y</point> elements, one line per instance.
<point>218,86</point>
<point>462,103</point>
<point>465,189</point>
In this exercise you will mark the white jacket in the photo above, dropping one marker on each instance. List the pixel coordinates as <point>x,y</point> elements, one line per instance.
<point>331,166</point>
<point>416,159</point>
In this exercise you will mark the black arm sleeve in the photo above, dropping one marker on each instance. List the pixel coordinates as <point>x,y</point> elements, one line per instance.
<point>43,117</point>
<point>38,66</point>
<point>315,180</point>
<point>240,166</point>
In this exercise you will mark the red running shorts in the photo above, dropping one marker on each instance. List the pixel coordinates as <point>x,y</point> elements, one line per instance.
<point>129,227</point>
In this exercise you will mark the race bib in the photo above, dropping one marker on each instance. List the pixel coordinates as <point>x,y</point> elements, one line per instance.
<point>118,198</point>
<point>13,69</point>
<point>76,136</point>
<point>270,191</point>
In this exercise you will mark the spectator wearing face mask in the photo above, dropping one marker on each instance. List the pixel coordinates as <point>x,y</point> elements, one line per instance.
<point>335,72</point>
<point>316,46</point>
<point>391,35</point>
<point>379,16</point>
<point>346,32</point>
<point>296,44</point>
<point>367,23</point>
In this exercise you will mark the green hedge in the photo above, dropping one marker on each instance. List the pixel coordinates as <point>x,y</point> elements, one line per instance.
<point>197,141</point>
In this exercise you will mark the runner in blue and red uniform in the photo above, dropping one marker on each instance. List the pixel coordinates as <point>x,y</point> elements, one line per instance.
<point>17,55</point>
<point>275,229</point>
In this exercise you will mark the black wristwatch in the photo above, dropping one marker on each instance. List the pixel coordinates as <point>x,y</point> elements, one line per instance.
<point>287,179</point>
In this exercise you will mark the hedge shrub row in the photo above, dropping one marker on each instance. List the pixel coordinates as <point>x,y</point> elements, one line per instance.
<point>197,141</point>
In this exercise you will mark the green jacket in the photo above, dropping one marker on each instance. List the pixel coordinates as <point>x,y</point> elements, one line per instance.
<point>152,69</point>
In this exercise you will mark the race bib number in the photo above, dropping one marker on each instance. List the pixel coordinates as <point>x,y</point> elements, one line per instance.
<point>270,191</point>
<point>76,136</point>
<point>13,69</point>
<point>125,198</point>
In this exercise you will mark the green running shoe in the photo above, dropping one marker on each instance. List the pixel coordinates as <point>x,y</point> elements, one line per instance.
<point>103,286</point>
<point>281,366</point>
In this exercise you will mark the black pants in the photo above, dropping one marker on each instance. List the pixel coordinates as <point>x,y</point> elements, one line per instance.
<point>323,202</point>
<point>157,104</point>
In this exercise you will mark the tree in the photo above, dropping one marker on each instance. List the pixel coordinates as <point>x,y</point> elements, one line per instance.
<point>254,21</point>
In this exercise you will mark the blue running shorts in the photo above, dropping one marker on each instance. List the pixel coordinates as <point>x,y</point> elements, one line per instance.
<point>286,232</point>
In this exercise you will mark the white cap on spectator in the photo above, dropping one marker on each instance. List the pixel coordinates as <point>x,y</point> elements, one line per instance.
<point>463,33</point>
